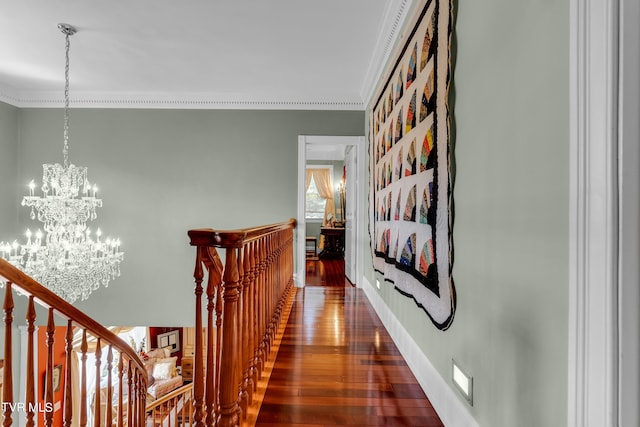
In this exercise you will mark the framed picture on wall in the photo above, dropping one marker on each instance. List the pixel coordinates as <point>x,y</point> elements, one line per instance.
<point>170,339</point>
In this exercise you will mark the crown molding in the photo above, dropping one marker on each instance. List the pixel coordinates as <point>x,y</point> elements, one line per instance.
<point>180,101</point>
<point>8,97</point>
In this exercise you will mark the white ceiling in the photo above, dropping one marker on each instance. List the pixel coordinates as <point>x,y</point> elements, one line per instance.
<point>297,54</point>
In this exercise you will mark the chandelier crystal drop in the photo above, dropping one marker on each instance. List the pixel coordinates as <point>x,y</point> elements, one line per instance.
<point>67,257</point>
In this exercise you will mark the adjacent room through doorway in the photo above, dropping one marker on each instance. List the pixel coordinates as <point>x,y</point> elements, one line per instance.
<point>327,204</point>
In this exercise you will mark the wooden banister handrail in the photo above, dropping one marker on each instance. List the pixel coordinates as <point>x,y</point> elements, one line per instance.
<point>244,300</point>
<point>107,341</point>
<point>235,238</point>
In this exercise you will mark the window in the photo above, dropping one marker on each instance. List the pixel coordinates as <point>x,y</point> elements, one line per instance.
<point>320,194</point>
<point>314,203</point>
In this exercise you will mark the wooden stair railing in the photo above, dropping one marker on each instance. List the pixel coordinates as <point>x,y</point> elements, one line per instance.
<point>245,298</point>
<point>131,376</point>
<point>175,409</point>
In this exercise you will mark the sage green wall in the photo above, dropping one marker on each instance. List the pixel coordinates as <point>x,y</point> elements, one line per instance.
<point>163,172</point>
<point>511,120</point>
<point>8,172</point>
<point>8,196</point>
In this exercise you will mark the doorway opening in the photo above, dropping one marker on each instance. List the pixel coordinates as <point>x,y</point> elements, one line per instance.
<point>337,231</point>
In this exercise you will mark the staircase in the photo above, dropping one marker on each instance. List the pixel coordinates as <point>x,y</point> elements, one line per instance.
<point>126,382</point>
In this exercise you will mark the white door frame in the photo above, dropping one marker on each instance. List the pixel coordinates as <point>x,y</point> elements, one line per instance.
<point>603,239</point>
<point>360,198</point>
<point>629,178</point>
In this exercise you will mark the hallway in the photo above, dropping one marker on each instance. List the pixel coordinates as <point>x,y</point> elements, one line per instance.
<point>337,365</point>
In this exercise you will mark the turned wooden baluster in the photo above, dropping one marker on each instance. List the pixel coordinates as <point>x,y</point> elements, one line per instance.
<point>7,374</point>
<point>229,367</point>
<point>30,393</point>
<point>277,273</point>
<point>291,257</point>
<point>277,284</point>
<point>274,287</point>
<point>48,388</point>
<point>121,412</point>
<point>131,396</point>
<point>257,310</point>
<point>270,282</point>
<point>214,266</point>
<point>140,406</point>
<point>142,391</point>
<point>253,309</point>
<point>68,377</point>
<point>265,298</point>
<point>218,353</point>
<point>241,350</point>
<point>97,400</point>
<point>248,322</point>
<point>198,377</point>
<point>210,380</point>
<point>282,282</point>
<point>262,298</point>
<point>109,402</point>
<point>282,273</point>
<point>280,285</point>
<point>267,293</point>
<point>83,382</point>
<point>140,403</point>
<point>288,243</point>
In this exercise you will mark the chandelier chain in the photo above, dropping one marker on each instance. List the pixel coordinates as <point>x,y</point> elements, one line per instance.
<point>65,149</point>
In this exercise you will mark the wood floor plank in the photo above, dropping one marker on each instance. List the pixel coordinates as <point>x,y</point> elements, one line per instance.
<point>337,365</point>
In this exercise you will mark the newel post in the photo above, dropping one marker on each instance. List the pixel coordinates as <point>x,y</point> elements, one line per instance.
<point>229,366</point>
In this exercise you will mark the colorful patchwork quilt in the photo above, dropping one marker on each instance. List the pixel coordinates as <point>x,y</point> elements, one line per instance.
<point>410,153</point>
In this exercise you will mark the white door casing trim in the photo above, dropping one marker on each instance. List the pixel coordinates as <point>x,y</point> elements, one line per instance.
<point>629,193</point>
<point>593,221</point>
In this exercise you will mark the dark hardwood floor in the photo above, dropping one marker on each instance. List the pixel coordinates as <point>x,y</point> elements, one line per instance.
<point>337,365</point>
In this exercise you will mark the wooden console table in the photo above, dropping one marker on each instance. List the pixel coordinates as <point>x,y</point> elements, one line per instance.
<point>333,242</point>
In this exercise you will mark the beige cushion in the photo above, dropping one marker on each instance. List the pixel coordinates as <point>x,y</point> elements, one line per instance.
<point>164,369</point>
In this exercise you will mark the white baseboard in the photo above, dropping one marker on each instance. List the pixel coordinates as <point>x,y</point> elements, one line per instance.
<point>450,408</point>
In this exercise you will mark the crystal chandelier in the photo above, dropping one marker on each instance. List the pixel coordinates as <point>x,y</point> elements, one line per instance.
<point>66,257</point>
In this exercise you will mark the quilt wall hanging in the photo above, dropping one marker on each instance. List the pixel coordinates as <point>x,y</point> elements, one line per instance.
<point>411,201</point>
